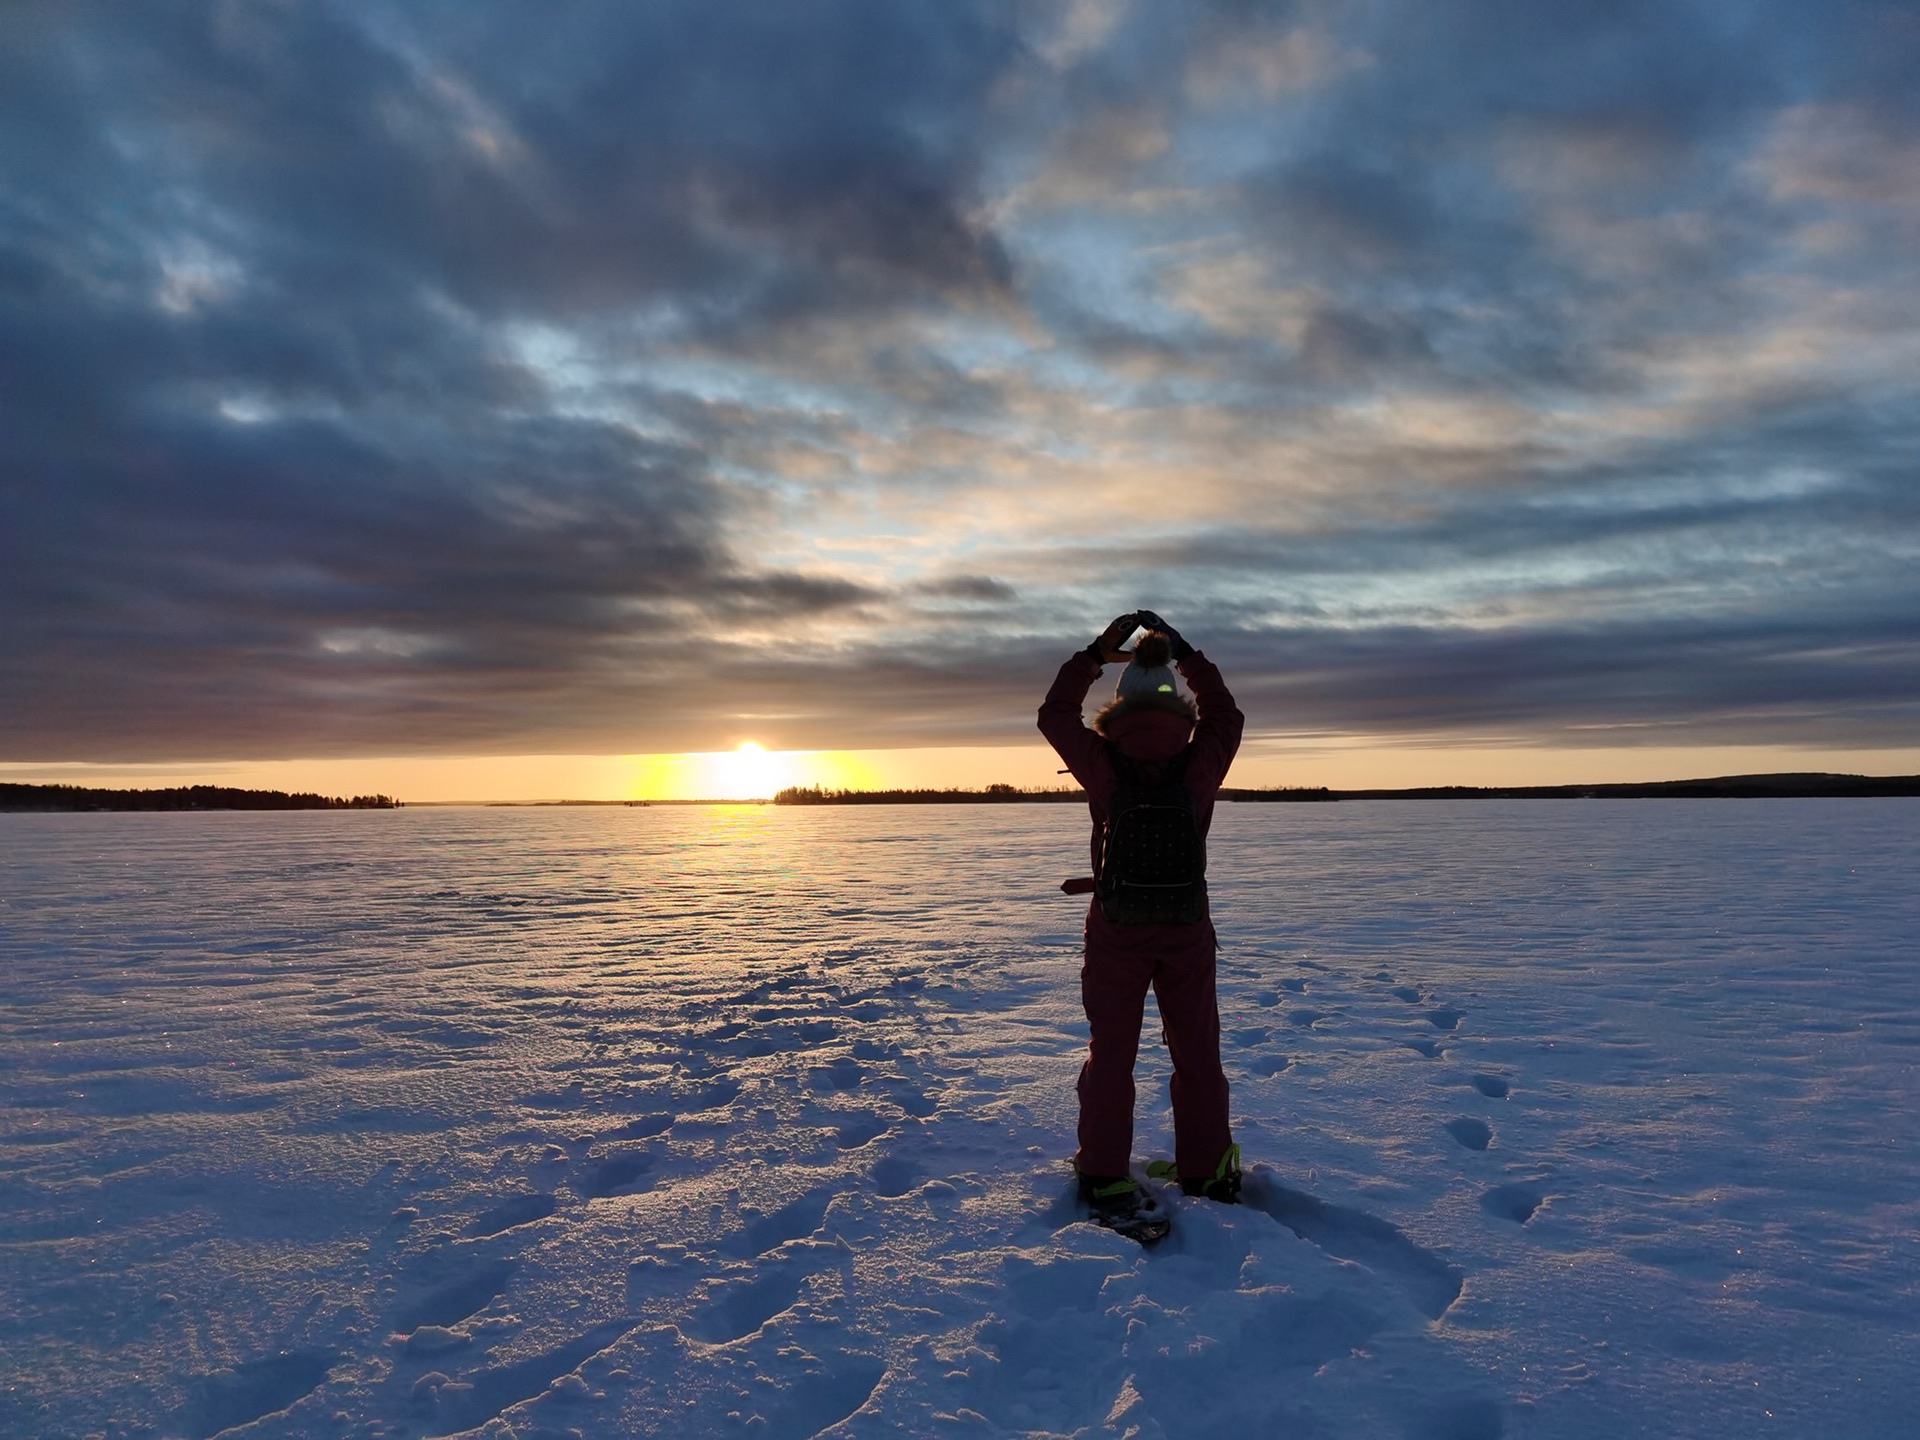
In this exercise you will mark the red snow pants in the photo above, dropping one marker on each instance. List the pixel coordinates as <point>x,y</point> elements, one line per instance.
<point>1121,963</point>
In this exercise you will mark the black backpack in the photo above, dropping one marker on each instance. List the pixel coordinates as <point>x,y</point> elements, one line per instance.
<point>1153,859</point>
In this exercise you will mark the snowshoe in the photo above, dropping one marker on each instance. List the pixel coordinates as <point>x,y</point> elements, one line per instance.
<point>1123,1207</point>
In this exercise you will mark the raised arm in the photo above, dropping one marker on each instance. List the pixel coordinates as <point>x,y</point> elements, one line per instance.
<point>1216,739</point>
<point>1060,712</point>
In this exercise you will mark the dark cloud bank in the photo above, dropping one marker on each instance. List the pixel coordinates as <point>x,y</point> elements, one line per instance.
<point>428,379</point>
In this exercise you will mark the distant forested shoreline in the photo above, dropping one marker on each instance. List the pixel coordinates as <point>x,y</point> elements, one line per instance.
<point>19,798</point>
<point>1726,787</point>
<point>992,795</point>
<point>44,798</point>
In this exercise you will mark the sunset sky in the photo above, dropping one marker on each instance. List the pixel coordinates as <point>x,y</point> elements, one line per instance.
<point>499,401</point>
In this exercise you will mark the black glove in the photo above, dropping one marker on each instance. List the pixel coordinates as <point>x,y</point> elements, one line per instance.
<point>1107,647</point>
<point>1180,648</point>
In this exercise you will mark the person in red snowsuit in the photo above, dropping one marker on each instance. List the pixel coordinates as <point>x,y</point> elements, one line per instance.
<point>1151,724</point>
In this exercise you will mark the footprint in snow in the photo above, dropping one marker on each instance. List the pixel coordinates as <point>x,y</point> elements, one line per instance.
<point>733,1310</point>
<point>840,1073</point>
<point>893,1177</point>
<point>1445,1018</point>
<point>1474,1134</point>
<point>643,1128</point>
<point>711,1097</point>
<point>912,1099</point>
<point>484,1395</point>
<point>1407,993</point>
<point>514,1210</point>
<point>254,1390</point>
<point>1269,1065</point>
<point>857,1131</point>
<point>1515,1202</point>
<point>614,1174</point>
<point>452,1301</point>
<point>816,1404</point>
<point>1429,1048</point>
<point>754,1046</point>
<point>793,1221</point>
<point>1491,1086</point>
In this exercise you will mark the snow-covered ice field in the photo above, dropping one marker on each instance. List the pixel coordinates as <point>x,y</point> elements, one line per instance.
<point>1567,1119</point>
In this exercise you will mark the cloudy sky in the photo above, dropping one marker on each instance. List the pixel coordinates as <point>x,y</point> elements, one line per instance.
<point>1465,376</point>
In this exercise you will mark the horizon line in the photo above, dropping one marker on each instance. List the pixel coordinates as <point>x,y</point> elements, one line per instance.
<point>1769,784</point>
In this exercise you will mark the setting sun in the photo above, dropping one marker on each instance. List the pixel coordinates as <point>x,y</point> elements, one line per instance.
<point>749,773</point>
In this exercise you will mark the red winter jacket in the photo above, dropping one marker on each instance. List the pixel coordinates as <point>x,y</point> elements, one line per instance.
<point>1146,733</point>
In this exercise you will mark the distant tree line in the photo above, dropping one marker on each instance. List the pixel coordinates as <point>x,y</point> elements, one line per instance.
<point>1800,786</point>
<point>998,795</point>
<point>992,795</point>
<point>1727,787</point>
<point>180,797</point>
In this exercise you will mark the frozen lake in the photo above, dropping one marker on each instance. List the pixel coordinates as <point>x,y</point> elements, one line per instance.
<point>1570,1118</point>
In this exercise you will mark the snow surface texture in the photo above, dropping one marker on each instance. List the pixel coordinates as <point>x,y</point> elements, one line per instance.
<point>1567,1118</point>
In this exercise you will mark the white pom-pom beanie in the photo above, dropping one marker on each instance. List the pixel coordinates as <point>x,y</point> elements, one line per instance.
<point>1137,681</point>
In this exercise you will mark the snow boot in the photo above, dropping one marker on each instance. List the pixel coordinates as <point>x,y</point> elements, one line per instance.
<point>1223,1185</point>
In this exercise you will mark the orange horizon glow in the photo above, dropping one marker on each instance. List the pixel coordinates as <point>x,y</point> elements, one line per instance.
<point>751,772</point>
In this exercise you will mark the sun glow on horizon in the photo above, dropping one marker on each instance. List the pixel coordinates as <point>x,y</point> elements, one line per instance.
<point>748,772</point>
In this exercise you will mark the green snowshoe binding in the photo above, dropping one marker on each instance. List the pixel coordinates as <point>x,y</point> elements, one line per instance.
<point>1124,1207</point>
<point>1222,1186</point>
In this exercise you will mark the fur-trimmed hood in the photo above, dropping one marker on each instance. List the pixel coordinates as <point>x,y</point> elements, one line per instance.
<point>1148,727</point>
